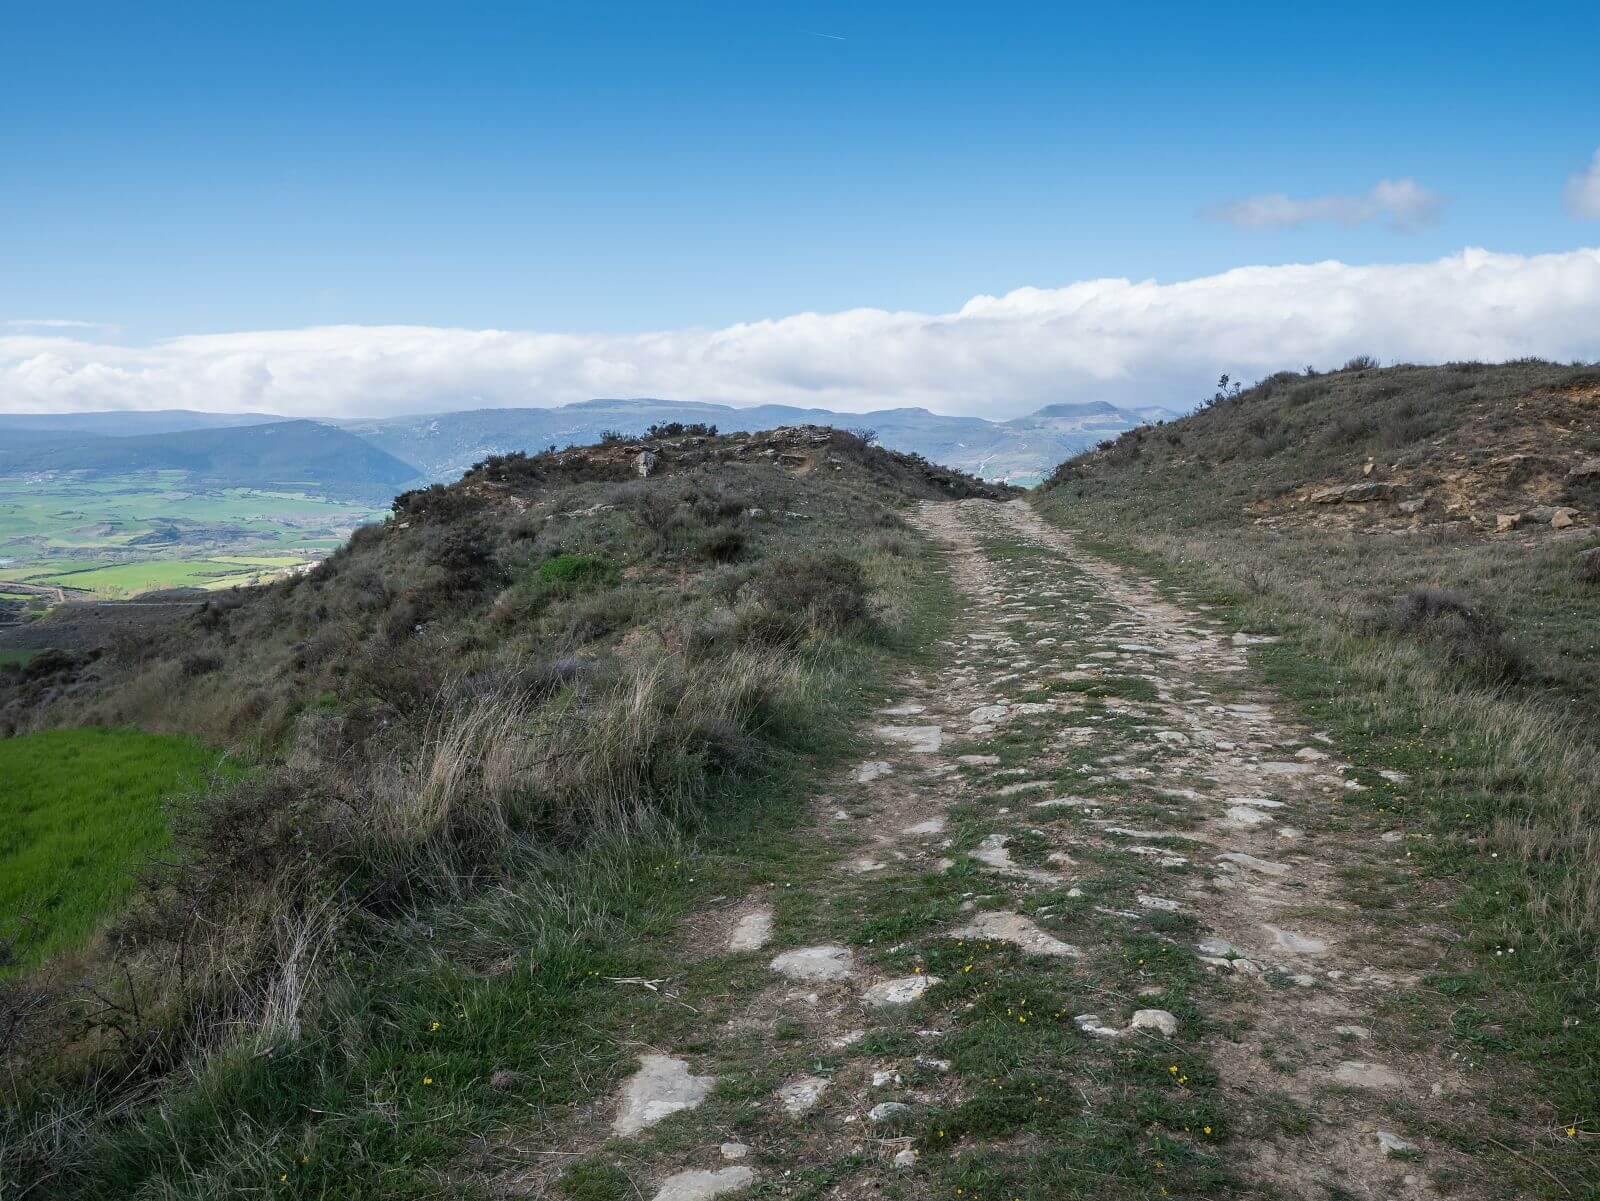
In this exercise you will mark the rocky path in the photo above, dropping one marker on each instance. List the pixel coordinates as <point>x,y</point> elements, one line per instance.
<point>1088,925</point>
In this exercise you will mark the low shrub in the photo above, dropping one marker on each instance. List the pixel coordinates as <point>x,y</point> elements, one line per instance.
<point>824,593</point>
<point>723,544</point>
<point>1468,636</point>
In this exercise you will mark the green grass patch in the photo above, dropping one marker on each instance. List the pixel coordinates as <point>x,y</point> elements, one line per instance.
<point>80,810</point>
<point>573,571</point>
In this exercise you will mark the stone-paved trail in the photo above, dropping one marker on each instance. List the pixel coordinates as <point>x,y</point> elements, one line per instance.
<point>1087,934</point>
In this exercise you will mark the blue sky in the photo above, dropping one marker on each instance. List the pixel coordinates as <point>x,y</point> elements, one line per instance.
<point>193,169</point>
<point>196,168</point>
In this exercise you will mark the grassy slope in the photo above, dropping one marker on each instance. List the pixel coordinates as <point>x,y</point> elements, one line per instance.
<point>79,811</point>
<point>1504,770</point>
<point>448,904</point>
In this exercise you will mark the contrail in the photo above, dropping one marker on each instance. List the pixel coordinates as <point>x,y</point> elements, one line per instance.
<point>833,36</point>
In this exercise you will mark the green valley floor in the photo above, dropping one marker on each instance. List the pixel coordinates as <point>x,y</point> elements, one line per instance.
<point>1097,917</point>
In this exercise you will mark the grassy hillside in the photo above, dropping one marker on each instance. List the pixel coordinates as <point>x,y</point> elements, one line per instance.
<point>497,740</point>
<point>1343,490</point>
<point>80,812</point>
<point>1456,650</point>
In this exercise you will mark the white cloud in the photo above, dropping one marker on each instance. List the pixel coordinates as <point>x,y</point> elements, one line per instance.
<point>55,323</point>
<point>1110,339</point>
<point>1583,191</point>
<point>1403,204</point>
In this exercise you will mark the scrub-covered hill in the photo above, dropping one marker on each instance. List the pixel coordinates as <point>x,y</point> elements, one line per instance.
<point>513,701</point>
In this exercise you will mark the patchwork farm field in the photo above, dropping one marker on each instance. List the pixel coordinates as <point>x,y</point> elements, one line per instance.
<point>80,810</point>
<point>118,536</point>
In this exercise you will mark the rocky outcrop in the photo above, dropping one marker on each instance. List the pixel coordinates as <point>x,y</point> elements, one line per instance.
<point>1359,494</point>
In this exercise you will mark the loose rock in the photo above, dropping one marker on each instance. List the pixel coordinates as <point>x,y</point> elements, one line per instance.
<point>1393,1144</point>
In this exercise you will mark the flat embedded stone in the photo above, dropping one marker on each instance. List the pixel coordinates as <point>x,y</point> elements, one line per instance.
<point>752,932</point>
<point>1021,932</point>
<point>1375,1076</point>
<point>815,964</point>
<point>660,1088</point>
<point>1265,866</point>
<point>899,992</point>
<point>702,1185</point>
<point>1295,944</point>
<point>923,739</point>
<point>800,1095</point>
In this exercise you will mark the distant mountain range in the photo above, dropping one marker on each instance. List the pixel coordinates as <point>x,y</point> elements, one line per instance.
<point>367,458</point>
<point>290,456</point>
<point>116,423</point>
<point>1021,451</point>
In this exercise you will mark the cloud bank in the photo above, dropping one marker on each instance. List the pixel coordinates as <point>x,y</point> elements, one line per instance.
<point>1105,339</point>
<point>1583,191</point>
<point>1403,204</point>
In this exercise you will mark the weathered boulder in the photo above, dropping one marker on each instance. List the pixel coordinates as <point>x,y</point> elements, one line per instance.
<point>1563,518</point>
<point>645,464</point>
<point>1504,523</point>
<point>1410,507</point>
